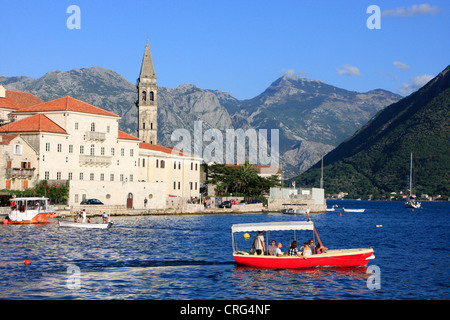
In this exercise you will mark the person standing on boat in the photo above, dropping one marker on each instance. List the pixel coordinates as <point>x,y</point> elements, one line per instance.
<point>84,216</point>
<point>258,244</point>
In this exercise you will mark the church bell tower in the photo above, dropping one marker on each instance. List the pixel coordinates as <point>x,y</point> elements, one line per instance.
<point>147,102</point>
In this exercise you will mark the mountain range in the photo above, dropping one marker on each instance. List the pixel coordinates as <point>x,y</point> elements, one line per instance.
<point>313,117</point>
<point>376,159</point>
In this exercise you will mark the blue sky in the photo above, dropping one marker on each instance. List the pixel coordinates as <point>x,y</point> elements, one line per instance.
<point>237,46</point>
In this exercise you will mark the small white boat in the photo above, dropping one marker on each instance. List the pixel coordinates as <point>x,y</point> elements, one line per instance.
<point>71,224</point>
<point>353,210</point>
<point>296,211</point>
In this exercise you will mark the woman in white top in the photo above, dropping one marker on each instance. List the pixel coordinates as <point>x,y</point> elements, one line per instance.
<point>306,250</point>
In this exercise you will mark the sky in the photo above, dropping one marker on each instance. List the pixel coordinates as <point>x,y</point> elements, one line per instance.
<point>236,46</point>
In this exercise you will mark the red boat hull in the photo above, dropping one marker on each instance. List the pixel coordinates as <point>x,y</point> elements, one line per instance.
<point>332,258</point>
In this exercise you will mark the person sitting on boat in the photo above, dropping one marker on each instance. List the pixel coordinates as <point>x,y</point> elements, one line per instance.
<point>312,246</point>
<point>306,250</point>
<point>258,244</point>
<point>278,252</point>
<point>272,248</point>
<point>320,249</point>
<point>293,250</point>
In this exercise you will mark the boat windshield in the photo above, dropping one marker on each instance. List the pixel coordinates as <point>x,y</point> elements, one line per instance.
<point>29,204</point>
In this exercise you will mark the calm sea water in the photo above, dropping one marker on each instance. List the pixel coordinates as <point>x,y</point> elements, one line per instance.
<point>189,257</point>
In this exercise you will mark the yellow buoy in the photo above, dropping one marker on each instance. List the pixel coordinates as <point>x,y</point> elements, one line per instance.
<point>246,236</point>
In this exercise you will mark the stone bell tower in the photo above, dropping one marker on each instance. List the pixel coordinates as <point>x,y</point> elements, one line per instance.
<point>147,102</point>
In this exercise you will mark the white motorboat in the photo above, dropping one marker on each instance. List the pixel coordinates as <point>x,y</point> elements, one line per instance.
<point>71,224</point>
<point>27,210</point>
<point>353,210</point>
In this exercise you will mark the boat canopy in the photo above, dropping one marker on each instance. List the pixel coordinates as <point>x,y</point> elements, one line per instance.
<point>273,226</point>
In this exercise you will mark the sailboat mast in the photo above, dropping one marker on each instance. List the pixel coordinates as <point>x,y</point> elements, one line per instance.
<point>410,176</point>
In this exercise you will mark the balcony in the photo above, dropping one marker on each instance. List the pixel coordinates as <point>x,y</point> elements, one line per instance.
<point>95,136</point>
<point>101,161</point>
<point>12,173</point>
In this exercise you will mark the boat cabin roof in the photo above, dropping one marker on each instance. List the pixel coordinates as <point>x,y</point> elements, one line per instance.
<point>273,226</point>
<point>28,199</point>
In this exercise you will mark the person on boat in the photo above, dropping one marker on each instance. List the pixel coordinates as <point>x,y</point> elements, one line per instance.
<point>258,244</point>
<point>84,216</point>
<point>272,248</point>
<point>278,252</point>
<point>320,249</point>
<point>105,217</point>
<point>306,250</point>
<point>293,250</point>
<point>312,246</point>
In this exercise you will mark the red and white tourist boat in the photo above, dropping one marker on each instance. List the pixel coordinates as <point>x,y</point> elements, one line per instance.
<point>330,258</point>
<point>29,210</point>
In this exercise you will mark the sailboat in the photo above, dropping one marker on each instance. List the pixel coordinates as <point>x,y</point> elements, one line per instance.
<point>411,202</point>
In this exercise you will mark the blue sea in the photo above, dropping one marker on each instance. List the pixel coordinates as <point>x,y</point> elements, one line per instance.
<point>188,257</point>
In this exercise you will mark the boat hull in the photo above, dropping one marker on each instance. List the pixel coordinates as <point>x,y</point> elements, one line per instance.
<point>68,224</point>
<point>332,258</point>
<point>39,218</point>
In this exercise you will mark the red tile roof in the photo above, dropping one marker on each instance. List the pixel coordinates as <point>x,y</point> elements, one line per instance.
<point>35,123</point>
<point>67,104</point>
<point>260,169</point>
<point>126,136</point>
<point>16,100</point>
<point>22,99</point>
<point>157,147</point>
<point>6,138</point>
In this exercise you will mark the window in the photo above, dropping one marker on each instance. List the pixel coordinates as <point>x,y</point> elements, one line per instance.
<point>174,165</point>
<point>70,148</point>
<point>91,177</point>
<point>112,151</point>
<point>102,177</point>
<point>121,177</point>
<point>92,150</point>
<point>69,176</point>
<point>59,148</point>
<point>192,166</point>
<point>18,149</point>
<point>196,166</point>
<point>131,152</point>
<point>102,151</point>
<point>81,149</point>
<point>144,96</point>
<point>157,163</point>
<point>47,146</point>
<point>179,165</point>
<point>143,162</point>
<point>93,126</point>
<point>179,185</point>
<point>196,186</point>
<point>47,175</point>
<point>122,152</point>
<point>131,178</point>
<point>81,176</point>
<point>190,185</point>
<point>174,185</point>
<point>152,96</point>
<point>58,176</point>
<point>76,125</point>
<point>163,164</point>
<point>111,177</point>
<point>108,129</point>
